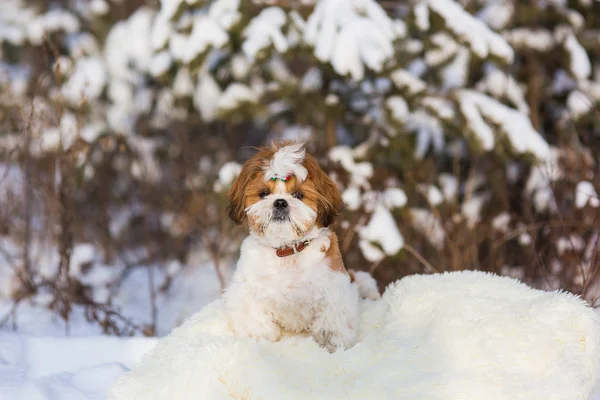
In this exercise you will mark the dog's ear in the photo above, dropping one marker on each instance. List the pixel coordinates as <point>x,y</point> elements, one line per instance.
<point>237,192</point>
<point>235,209</point>
<point>329,202</point>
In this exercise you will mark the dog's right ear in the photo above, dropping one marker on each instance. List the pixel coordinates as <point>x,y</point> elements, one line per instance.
<point>237,192</point>
<point>236,195</point>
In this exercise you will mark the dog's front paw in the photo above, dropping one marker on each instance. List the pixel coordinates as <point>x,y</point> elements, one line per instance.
<point>331,341</point>
<point>324,339</point>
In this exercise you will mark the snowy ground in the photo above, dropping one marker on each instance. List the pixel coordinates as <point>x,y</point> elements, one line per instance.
<point>51,367</point>
<point>68,368</point>
<point>61,368</point>
<point>44,359</point>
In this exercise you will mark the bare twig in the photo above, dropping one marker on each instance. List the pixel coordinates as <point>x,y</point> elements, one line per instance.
<point>419,257</point>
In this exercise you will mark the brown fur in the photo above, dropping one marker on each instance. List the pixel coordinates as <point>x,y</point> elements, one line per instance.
<point>334,255</point>
<point>242,191</point>
<point>321,193</point>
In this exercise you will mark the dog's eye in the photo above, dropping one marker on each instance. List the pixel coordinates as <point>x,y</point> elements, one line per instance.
<point>263,193</point>
<point>298,195</point>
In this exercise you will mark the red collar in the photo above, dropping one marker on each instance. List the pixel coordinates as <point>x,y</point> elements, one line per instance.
<point>288,251</point>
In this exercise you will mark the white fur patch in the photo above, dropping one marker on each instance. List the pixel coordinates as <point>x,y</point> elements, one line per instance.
<point>454,336</point>
<point>277,234</point>
<point>287,161</point>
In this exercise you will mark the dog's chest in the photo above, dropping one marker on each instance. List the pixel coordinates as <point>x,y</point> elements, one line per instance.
<point>295,282</point>
<point>295,277</point>
<point>298,295</point>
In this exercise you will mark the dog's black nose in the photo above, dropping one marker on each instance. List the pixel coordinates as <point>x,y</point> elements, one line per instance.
<point>280,203</point>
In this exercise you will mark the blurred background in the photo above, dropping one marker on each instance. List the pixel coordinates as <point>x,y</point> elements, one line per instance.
<point>463,135</point>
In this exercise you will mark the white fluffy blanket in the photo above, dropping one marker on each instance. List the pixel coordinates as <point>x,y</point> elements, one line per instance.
<point>466,335</point>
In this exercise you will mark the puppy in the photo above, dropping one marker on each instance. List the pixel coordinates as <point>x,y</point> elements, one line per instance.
<point>290,275</point>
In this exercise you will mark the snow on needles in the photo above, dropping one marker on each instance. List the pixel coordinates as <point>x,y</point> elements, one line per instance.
<point>351,34</point>
<point>381,229</point>
<point>471,31</point>
<point>579,62</point>
<point>586,194</point>
<point>515,125</point>
<point>265,30</point>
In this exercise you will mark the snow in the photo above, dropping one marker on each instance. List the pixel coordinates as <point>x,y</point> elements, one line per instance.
<point>496,14</point>
<point>428,130</point>
<point>405,80</point>
<point>359,172</point>
<point>82,44</point>
<point>332,100</point>
<point>99,7</point>
<point>398,108</point>
<point>52,368</point>
<point>394,198</point>
<point>433,195</point>
<point>562,82</point>
<point>500,84</point>
<point>530,39</point>
<point>86,82</point>
<point>207,96</point>
<point>501,221</point>
<point>515,125</point>
<point>351,197</point>
<point>573,242</point>
<point>206,34</point>
<point>471,31</point>
<point>429,226</point>
<point>127,48</point>
<point>234,95</point>
<point>52,21</point>
<point>455,73</point>
<point>449,185</point>
<point>160,63</point>
<point>225,12</point>
<point>192,286</point>
<point>421,16</point>
<point>13,78</point>
<point>579,103</point>
<point>57,138</point>
<point>161,30</point>
<point>579,62</point>
<point>146,167</point>
<point>445,48</point>
<point>227,174</point>
<point>183,84</point>
<point>541,178</point>
<point>426,338</point>
<point>240,66</point>
<point>170,7</point>
<point>525,239</point>
<point>312,81</point>
<point>471,209</point>
<point>383,230</point>
<point>585,194</point>
<point>263,31</point>
<point>441,107</point>
<point>350,34</point>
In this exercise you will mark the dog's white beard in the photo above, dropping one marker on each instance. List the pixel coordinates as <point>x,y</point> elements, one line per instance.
<point>281,233</point>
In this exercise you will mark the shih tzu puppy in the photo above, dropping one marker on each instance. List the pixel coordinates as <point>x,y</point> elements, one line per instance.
<point>290,275</point>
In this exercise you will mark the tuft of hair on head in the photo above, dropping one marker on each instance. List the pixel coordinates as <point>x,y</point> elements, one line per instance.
<point>287,160</point>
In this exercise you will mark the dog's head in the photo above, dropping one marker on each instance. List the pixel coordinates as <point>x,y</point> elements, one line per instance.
<point>283,193</point>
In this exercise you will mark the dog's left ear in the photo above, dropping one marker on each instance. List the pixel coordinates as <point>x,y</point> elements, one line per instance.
<point>329,203</point>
